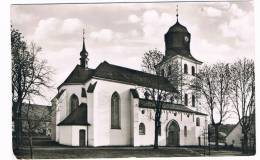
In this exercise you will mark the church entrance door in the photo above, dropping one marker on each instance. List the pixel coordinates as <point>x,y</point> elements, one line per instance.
<point>173,138</point>
<point>82,137</point>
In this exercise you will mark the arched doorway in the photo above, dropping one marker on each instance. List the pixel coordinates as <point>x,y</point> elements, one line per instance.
<point>82,139</point>
<point>173,134</point>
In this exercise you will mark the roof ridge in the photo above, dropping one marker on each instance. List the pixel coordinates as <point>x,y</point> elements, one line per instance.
<point>130,69</point>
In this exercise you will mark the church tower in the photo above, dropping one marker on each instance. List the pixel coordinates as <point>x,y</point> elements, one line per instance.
<point>84,54</point>
<point>178,64</point>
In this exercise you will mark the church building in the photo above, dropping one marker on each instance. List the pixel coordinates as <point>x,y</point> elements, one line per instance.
<point>106,106</point>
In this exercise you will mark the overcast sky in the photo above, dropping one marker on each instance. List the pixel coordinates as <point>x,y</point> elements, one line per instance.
<point>121,33</point>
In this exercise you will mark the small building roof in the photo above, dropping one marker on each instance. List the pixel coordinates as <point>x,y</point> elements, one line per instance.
<point>76,117</point>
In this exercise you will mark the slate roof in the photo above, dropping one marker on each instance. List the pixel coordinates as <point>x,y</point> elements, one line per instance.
<point>177,27</point>
<point>144,103</point>
<point>181,52</point>
<point>76,117</point>
<point>117,73</point>
<point>79,75</point>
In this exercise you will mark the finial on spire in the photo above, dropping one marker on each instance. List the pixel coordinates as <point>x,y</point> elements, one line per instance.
<point>83,46</point>
<point>177,10</point>
<point>83,33</point>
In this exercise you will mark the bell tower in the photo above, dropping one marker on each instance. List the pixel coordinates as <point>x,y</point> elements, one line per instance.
<point>177,40</point>
<point>178,65</point>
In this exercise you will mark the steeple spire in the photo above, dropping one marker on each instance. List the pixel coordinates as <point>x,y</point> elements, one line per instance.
<point>84,54</point>
<point>177,14</point>
<point>83,48</point>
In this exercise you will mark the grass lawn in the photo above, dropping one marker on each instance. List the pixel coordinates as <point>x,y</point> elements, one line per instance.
<point>119,152</point>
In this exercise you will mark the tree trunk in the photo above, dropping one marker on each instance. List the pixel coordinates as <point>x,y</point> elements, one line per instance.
<point>155,133</point>
<point>18,123</point>
<point>16,126</point>
<point>245,143</point>
<point>209,139</point>
<point>31,145</point>
<point>216,136</point>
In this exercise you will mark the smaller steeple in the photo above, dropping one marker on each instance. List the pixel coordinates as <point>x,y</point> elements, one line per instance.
<point>84,54</point>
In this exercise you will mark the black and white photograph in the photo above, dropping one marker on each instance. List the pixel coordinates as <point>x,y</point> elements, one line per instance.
<point>143,79</point>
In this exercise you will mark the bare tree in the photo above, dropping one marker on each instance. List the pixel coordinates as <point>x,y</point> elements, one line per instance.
<point>29,76</point>
<point>158,94</point>
<point>243,96</point>
<point>36,119</point>
<point>214,86</point>
<point>150,60</point>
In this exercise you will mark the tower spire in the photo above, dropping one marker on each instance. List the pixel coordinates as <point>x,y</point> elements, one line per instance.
<point>177,14</point>
<point>83,54</point>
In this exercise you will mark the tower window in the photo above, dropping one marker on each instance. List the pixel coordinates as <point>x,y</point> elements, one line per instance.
<point>193,70</point>
<point>141,129</point>
<point>186,99</point>
<point>162,72</point>
<point>169,70</point>
<point>193,101</point>
<point>185,68</point>
<point>198,121</point>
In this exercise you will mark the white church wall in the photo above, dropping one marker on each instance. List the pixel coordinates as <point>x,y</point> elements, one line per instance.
<point>60,112</point>
<point>65,135</point>
<point>167,116</point>
<point>75,135</point>
<point>134,126</point>
<point>90,103</point>
<point>99,117</point>
<point>180,61</point>
<point>200,130</point>
<point>63,105</point>
<point>103,134</point>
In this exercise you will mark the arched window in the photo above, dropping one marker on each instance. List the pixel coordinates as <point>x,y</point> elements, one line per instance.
<point>193,70</point>
<point>162,72</point>
<point>169,70</point>
<point>141,129</point>
<point>197,121</point>
<point>186,99</point>
<point>185,68</point>
<point>185,131</point>
<point>115,111</point>
<point>74,103</point>
<point>193,101</point>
